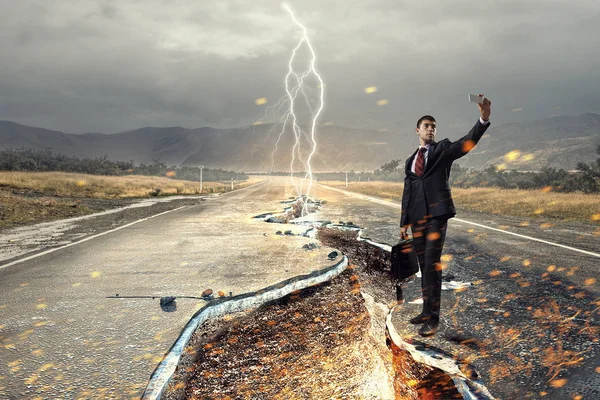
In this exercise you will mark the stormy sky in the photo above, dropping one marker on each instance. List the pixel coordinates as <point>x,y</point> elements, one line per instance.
<point>111,66</point>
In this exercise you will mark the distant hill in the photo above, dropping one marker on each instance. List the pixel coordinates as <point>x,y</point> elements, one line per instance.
<point>559,141</point>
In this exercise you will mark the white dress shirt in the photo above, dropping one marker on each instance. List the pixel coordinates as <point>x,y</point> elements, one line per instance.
<point>414,163</point>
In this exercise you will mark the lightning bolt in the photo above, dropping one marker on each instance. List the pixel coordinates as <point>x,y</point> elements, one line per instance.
<point>316,115</point>
<point>294,86</point>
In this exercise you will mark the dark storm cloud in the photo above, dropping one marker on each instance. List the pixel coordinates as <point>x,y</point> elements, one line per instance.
<point>113,66</point>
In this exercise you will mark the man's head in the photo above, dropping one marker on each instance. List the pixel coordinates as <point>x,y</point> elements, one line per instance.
<point>426,129</point>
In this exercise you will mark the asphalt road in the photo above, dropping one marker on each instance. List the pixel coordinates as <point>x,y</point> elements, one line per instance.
<point>531,317</point>
<point>62,337</point>
<point>380,220</point>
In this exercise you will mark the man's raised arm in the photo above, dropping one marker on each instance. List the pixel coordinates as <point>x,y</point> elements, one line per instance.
<point>463,145</point>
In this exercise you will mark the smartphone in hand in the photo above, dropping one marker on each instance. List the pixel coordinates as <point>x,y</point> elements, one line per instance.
<point>473,98</point>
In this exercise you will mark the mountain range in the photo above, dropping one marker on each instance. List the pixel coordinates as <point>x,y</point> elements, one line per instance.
<point>559,142</point>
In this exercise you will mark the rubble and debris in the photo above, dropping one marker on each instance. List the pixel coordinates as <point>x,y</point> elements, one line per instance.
<point>310,246</point>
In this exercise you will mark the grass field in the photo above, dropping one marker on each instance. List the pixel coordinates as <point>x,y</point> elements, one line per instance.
<point>108,187</point>
<point>514,202</point>
<point>28,197</point>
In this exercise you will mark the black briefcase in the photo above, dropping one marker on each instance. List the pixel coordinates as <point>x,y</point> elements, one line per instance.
<point>404,260</point>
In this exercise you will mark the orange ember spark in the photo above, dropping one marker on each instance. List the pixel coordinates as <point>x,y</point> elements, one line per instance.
<point>433,236</point>
<point>558,383</point>
<point>468,146</point>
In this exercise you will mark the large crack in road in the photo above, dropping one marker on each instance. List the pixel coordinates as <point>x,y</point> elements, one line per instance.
<point>331,340</point>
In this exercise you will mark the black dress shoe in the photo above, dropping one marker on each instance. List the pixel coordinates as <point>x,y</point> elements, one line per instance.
<point>419,319</point>
<point>430,328</point>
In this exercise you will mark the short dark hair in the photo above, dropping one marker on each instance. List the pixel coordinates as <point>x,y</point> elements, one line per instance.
<point>423,118</point>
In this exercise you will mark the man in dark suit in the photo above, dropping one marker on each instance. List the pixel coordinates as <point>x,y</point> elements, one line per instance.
<point>427,205</point>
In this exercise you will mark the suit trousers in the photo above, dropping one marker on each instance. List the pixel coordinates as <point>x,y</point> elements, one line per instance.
<point>428,238</point>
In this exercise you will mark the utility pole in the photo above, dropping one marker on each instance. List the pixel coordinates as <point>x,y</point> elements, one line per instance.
<point>201,167</point>
<point>346,179</point>
<point>231,183</point>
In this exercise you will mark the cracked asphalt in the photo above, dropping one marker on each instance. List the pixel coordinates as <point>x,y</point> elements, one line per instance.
<point>61,337</point>
<point>529,323</point>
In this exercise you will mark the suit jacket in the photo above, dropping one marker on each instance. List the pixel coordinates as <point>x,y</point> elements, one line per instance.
<point>429,195</point>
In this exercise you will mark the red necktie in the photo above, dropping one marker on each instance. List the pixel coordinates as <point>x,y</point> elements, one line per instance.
<point>420,164</point>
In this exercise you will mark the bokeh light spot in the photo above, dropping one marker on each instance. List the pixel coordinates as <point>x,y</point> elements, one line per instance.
<point>468,146</point>
<point>440,266</point>
<point>590,281</point>
<point>528,157</point>
<point>512,156</point>
<point>260,101</point>
<point>558,383</point>
<point>46,367</point>
<point>433,236</point>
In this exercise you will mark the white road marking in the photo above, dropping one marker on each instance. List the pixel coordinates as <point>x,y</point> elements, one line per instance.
<point>589,253</point>
<point>219,195</point>
<point>85,239</point>
<point>396,205</point>
<point>144,203</point>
